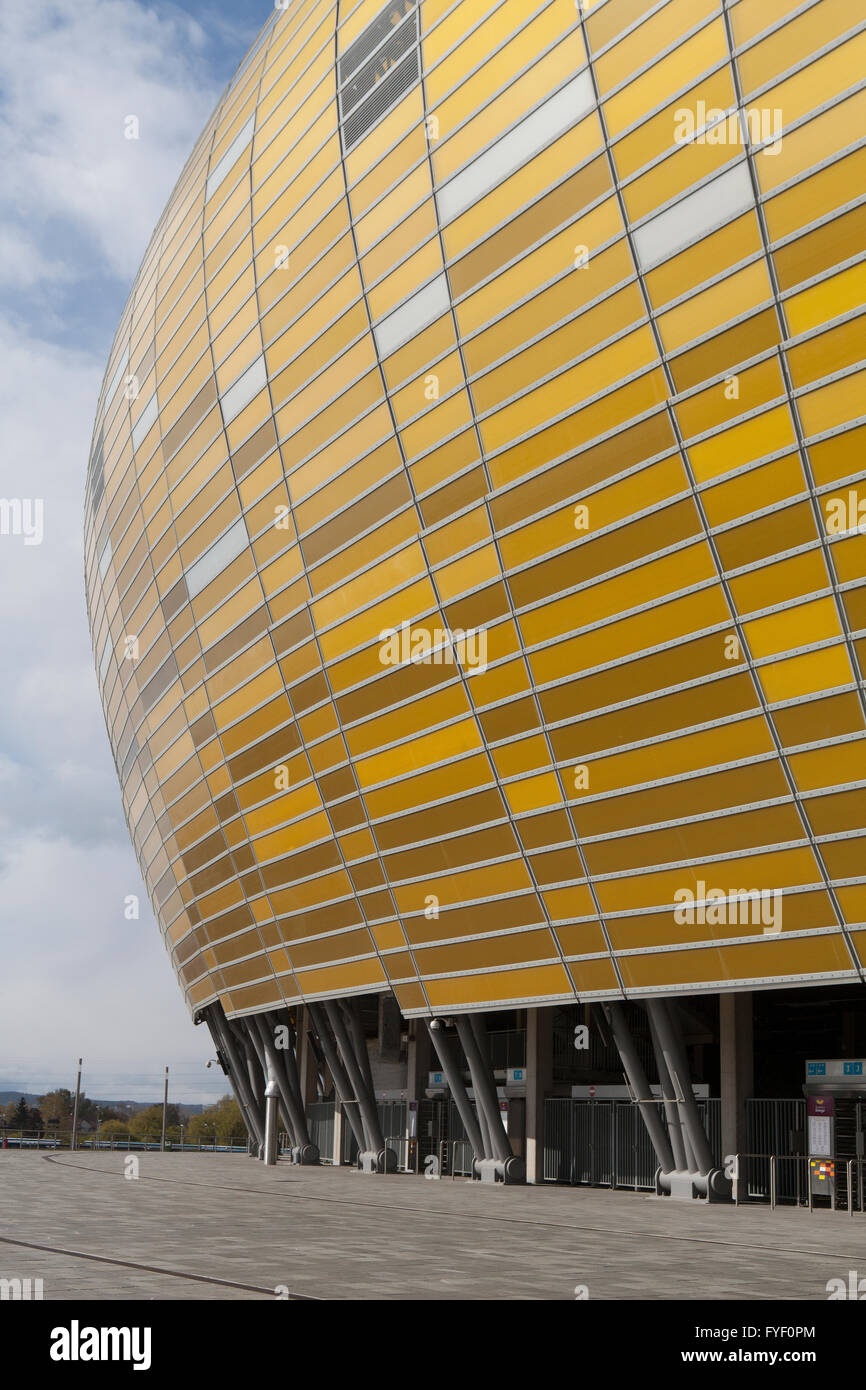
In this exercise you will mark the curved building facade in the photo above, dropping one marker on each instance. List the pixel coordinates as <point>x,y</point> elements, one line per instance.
<point>473,544</point>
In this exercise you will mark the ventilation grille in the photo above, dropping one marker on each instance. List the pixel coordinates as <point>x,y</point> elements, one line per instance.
<point>382,65</point>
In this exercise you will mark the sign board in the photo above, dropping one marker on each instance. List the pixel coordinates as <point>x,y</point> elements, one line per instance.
<point>822,1174</point>
<point>599,1091</point>
<point>515,1081</point>
<point>820,1105</point>
<point>821,1110</point>
<point>820,1141</point>
<point>836,1066</point>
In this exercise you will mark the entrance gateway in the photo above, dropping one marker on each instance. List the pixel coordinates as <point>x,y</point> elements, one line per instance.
<point>835,1092</point>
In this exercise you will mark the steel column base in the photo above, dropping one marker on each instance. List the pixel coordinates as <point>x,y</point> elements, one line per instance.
<point>305,1154</point>
<point>685,1186</point>
<point>514,1169</point>
<point>719,1187</point>
<point>383,1161</point>
<point>510,1170</point>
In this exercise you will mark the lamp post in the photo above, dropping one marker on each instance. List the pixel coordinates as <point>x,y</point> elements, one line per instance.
<point>164,1112</point>
<point>73,1138</point>
<point>208,1064</point>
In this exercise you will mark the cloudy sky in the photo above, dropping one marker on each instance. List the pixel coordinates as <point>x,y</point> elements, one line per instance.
<point>78,204</point>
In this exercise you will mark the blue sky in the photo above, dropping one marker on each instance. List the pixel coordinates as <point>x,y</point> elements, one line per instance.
<point>78,204</point>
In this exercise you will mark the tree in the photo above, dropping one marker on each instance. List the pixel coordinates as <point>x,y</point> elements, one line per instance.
<point>91,1112</point>
<point>19,1119</point>
<point>223,1121</point>
<point>116,1127</point>
<point>57,1108</point>
<point>147,1124</point>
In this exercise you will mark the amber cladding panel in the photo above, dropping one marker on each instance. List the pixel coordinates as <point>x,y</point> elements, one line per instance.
<point>474,520</point>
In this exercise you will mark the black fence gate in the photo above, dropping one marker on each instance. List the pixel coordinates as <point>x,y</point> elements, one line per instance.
<point>604,1143</point>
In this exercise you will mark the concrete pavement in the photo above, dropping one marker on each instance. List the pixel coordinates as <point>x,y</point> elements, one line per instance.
<point>222,1226</point>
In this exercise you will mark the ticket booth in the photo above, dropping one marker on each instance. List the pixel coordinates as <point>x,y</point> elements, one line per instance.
<point>835,1092</point>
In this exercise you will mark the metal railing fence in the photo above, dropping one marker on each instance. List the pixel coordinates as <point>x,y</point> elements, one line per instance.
<point>784,1180</point>
<point>40,1139</point>
<point>320,1123</point>
<point>604,1143</point>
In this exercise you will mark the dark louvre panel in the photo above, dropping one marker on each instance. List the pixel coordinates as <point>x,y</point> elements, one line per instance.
<point>128,761</point>
<point>377,30</point>
<point>96,473</point>
<point>159,683</point>
<point>395,84</point>
<point>361,83</point>
<point>381,65</point>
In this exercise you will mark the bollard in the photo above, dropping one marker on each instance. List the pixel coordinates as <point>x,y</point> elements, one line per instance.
<point>850,1178</point>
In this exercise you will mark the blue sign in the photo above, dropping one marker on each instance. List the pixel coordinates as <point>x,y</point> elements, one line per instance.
<point>518,1073</point>
<point>816,1068</point>
<point>853,1068</point>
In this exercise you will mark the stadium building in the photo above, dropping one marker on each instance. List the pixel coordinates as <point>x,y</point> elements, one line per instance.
<point>475,568</point>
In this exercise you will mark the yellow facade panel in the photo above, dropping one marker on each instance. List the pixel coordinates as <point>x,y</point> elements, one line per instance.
<point>402,367</point>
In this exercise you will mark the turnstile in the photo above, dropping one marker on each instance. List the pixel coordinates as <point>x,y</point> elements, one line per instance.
<point>835,1092</point>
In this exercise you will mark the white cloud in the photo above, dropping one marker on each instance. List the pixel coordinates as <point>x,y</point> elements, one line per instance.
<point>72,71</point>
<point>70,957</point>
<point>48,688</point>
<point>23,266</point>
<point>66,863</point>
<point>80,203</point>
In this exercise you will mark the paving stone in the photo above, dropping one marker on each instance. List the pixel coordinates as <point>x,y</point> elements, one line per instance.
<point>337,1233</point>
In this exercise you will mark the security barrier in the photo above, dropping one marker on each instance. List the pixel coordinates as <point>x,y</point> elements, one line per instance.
<point>604,1143</point>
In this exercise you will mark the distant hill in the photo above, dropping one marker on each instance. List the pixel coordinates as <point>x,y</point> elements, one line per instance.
<point>131,1106</point>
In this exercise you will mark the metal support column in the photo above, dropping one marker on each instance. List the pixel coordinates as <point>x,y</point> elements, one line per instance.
<point>707,1178</point>
<point>386,1158</point>
<point>500,1142</point>
<point>669,1036</point>
<point>480,1113</point>
<point>285,1063</point>
<point>272,1102</point>
<point>374,1156</point>
<point>261,1025</point>
<point>253,1117</point>
<point>636,1077</point>
<point>256,1077</point>
<point>448,1062</point>
<point>338,1072</point>
<point>341,1037</point>
<point>238,1075</point>
<point>352,1010</point>
<point>253,1026</point>
<point>486,1101</point>
<point>669,1096</point>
